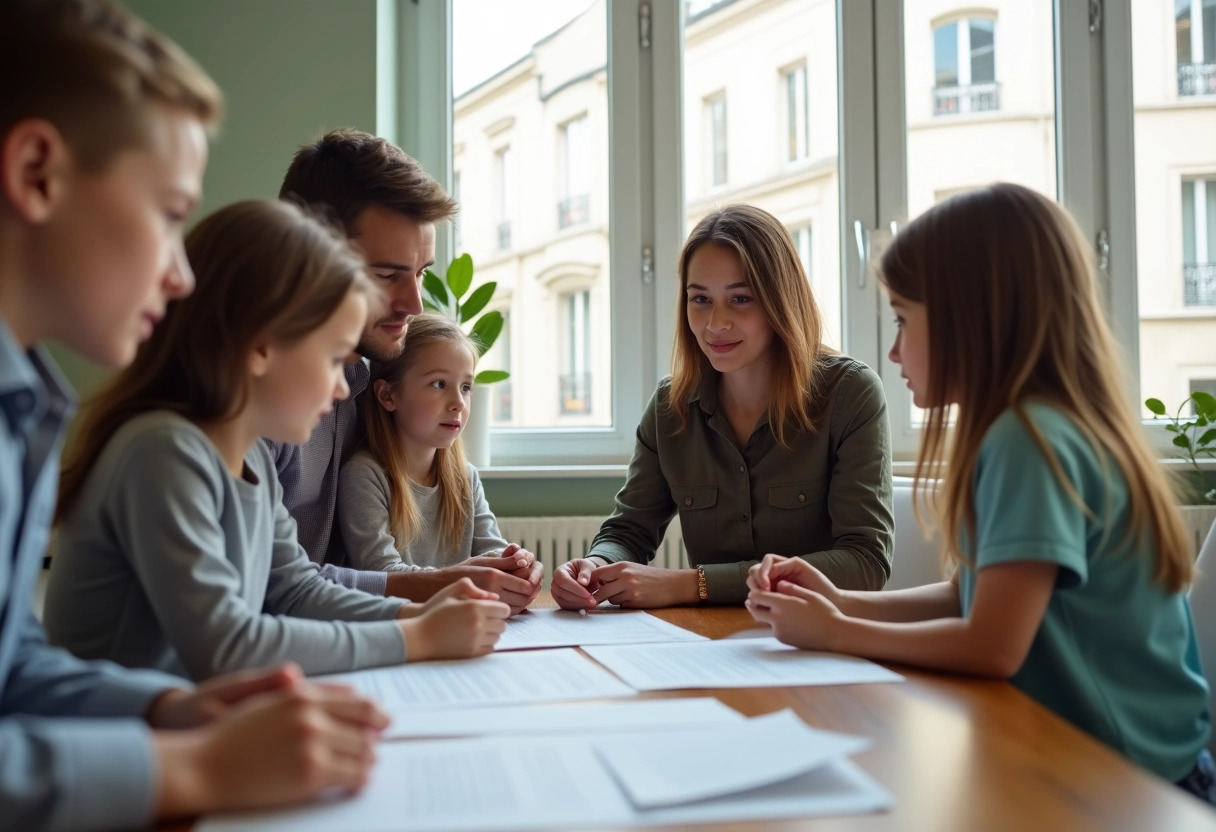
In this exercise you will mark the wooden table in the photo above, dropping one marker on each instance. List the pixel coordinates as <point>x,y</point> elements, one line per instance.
<point>957,754</point>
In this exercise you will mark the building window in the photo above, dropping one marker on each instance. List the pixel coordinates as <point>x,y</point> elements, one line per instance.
<point>964,67</point>
<point>1199,242</point>
<point>501,356</point>
<point>715,122</point>
<point>575,205</point>
<point>801,235</point>
<point>503,177</point>
<point>575,381</point>
<point>1195,22</point>
<point>797,125</point>
<point>456,238</point>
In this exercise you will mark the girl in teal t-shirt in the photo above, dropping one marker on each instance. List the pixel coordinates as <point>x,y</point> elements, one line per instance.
<point>1069,560</point>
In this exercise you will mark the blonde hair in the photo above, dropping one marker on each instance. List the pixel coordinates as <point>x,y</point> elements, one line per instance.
<point>774,273</point>
<point>264,270</point>
<point>452,475</point>
<point>92,69</point>
<point>1009,287</point>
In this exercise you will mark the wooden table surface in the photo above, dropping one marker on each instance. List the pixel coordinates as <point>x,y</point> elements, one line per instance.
<point>957,754</point>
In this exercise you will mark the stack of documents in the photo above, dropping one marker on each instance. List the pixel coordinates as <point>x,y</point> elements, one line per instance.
<point>765,768</point>
<point>566,628</point>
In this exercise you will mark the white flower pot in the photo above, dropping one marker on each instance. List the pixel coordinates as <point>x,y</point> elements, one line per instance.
<point>476,433</point>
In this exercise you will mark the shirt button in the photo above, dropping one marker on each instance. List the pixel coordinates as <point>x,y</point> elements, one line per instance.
<point>801,497</point>
<point>688,501</point>
<point>742,469</point>
<point>743,518</point>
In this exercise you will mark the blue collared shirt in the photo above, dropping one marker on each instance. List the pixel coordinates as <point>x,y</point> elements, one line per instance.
<point>74,752</point>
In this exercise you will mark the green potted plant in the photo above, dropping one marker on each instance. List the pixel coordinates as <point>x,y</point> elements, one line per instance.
<point>1195,436</point>
<point>451,296</point>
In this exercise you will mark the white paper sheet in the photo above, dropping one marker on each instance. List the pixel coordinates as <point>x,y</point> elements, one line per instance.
<point>496,679</point>
<point>741,663</point>
<point>501,785</point>
<point>763,751</point>
<point>564,719</point>
<point>565,628</point>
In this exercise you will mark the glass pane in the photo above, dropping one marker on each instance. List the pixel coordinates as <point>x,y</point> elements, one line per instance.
<point>997,124</point>
<point>741,54</point>
<point>945,55</point>
<point>1175,181</point>
<point>530,140</point>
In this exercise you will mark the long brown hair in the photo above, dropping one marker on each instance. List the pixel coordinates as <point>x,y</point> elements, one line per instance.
<point>1010,291</point>
<point>451,472</point>
<point>264,270</point>
<point>775,275</point>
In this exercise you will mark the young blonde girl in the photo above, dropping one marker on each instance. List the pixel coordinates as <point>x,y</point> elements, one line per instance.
<point>174,549</point>
<point>410,501</point>
<point>1068,559</point>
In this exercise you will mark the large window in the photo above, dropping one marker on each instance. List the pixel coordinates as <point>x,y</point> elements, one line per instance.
<point>964,66</point>
<point>690,105</point>
<point>1195,28</point>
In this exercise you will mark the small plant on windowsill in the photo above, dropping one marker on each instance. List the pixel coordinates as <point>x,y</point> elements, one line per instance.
<point>1196,437</point>
<point>444,296</point>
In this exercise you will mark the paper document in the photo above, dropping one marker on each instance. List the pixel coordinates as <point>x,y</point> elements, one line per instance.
<point>739,663</point>
<point>498,784</point>
<point>734,758</point>
<point>564,719</point>
<point>566,628</point>
<point>496,679</point>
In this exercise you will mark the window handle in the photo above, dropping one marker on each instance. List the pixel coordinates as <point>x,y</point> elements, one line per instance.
<point>862,235</point>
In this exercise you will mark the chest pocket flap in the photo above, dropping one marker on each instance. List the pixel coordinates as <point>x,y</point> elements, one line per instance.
<point>797,495</point>
<point>694,497</point>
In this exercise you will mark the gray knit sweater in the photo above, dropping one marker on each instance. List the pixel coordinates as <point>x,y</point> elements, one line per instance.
<point>168,561</point>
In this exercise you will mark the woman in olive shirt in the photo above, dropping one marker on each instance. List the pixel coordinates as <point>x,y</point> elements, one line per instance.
<point>763,439</point>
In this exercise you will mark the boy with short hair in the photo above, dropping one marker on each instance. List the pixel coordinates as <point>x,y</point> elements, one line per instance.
<point>102,148</point>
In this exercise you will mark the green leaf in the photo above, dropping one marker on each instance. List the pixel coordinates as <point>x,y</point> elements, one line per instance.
<point>1172,428</point>
<point>429,306</point>
<point>1205,404</point>
<point>485,331</point>
<point>460,275</point>
<point>1155,406</point>
<point>477,301</point>
<point>1208,436</point>
<point>434,287</point>
<point>1182,441</point>
<point>491,376</point>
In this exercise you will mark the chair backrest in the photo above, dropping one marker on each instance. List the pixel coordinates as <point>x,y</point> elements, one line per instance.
<point>915,561</point>
<point>1202,597</point>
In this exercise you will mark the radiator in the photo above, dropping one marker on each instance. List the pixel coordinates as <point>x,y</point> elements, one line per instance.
<point>556,540</point>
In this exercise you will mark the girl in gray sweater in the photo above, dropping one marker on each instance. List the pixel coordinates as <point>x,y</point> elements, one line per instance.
<point>410,501</point>
<point>174,549</point>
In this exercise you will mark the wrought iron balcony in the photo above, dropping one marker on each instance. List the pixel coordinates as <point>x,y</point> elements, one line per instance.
<point>1199,284</point>
<point>970,98</point>
<point>1196,79</point>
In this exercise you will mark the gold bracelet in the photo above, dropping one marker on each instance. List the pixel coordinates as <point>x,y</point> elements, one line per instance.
<point>702,591</point>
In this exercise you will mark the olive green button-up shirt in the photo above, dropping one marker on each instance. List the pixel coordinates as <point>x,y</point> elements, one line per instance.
<point>826,498</point>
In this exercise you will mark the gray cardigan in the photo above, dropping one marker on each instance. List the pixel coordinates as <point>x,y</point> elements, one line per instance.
<point>168,561</point>
<point>363,510</point>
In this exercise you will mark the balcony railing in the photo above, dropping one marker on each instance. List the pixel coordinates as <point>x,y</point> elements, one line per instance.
<point>504,235</point>
<point>1199,284</point>
<point>574,390</point>
<point>972,98</point>
<point>573,210</point>
<point>1196,79</point>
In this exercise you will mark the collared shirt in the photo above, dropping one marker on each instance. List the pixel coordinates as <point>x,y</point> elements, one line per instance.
<point>309,476</point>
<point>826,498</point>
<point>68,771</point>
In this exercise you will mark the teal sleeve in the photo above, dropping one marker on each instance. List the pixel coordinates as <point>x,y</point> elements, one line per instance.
<point>1023,510</point>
